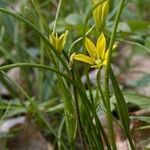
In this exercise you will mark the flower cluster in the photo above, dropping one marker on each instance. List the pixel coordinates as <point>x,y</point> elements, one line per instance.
<point>97,53</point>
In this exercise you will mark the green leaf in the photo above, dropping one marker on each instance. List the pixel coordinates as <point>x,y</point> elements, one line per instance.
<point>15,112</point>
<point>74,19</point>
<point>139,100</point>
<point>147,42</point>
<point>136,99</point>
<point>70,119</point>
<point>136,25</point>
<point>122,107</point>
<point>142,118</point>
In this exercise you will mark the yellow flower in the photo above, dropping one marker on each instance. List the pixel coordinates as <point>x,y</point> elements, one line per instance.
<point>97,54</point>
<point>58,42</point>
<point>100,13</point>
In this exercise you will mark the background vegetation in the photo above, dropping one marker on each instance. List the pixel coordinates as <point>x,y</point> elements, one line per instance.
<point>20,43</point>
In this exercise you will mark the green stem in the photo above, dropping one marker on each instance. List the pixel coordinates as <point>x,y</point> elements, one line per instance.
<point>81,130</point>
<point>89,86</point>
<point>56,17</point>
<point>109,118</point>
<point>13,92</point>
<point>6,111</point>
<point>41,44</point>
<point>99,87</point>
<point>78,40</point>
<point>83,95</point>
<point>6,54</point>
<point>134,43</point>
<point>122,109</point>
<point>41,73</point>
<point>88,106</point>
<point>60,130</point>
<point>103,98</point>
<point>37,9</point>
<point>7,67</point>
<point>131,43</point>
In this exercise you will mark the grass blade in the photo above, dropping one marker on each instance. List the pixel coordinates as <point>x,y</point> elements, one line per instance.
<point>71,123</point>
<point>122,108</point>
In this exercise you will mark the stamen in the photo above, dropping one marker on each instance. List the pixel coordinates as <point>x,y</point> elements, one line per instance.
<point>98,61</point>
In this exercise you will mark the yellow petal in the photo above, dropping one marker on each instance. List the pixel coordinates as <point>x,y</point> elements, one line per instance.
<point>90,47</point>
<point>97,66</point>
<point>62,41</point>
<point>114,46</point>
<point>97,14</point>
<point>58,43</point>
<point>101,46</point>
<point>72,57</point>
<point>100,13</point>
<point>105,9</point>
<point>84,58</point>
<point>52,40</point>
<point>63,37</point>
<point>105,58</point>
<point>106,55</point>
<point>105,62</point>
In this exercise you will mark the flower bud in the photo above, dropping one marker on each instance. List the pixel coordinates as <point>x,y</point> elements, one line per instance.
<point>58,42</point>
<point>100,13</point>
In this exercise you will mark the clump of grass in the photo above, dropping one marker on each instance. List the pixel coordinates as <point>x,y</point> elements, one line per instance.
<point>57,60</point>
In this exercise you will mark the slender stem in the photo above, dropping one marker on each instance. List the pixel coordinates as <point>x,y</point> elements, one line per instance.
<point>89,109</point>
<point>131,43</point>
<point>113,37</point>
<point>109,118</point>
<point>56,17</point>
<point>37,8</point>
<point>89,86</point>
<point>135,43</point>
<point>78,40</point>
<point>44,67</point>
<point>78,116</point>
<point>80,90</point>
<point>6,67</point>
<point>60,132</point>
<point>99,88</point>
<point>103,98</point>
<point>41,73</point>
<point>6,111</point>
<point>41,44</point>
<point>122,105</point>
<point>7,55</point>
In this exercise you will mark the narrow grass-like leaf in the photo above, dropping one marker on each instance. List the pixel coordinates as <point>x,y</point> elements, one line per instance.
<point>71,124</point>
<point>90,111</point>
<point>6,111</point>
<point>7,67</point>
<point>37,9</point>
<point>122,108</point>
<point>45,39</point>
<point>8,86</point>
<point>141,118</point>
<point>33,104</point>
